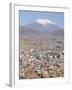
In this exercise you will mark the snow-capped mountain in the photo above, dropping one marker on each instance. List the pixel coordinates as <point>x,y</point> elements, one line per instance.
<point>44,24</point>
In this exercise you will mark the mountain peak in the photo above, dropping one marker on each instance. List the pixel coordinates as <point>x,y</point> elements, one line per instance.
<point>44,22</point>
<point>44,25</point>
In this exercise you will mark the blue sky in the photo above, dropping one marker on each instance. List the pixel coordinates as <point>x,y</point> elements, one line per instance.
<point>27,17</point>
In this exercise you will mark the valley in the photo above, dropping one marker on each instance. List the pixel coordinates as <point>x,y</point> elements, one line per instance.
<point>41,53</point>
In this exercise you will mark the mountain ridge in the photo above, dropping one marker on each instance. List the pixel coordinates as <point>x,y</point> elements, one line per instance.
<point>44,25</point>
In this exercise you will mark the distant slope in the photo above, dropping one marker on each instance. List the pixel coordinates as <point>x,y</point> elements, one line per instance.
<point>44,25</point>
<point>58,32</point>
<point>49,39</point>
<point>40,27</point>
<point>27,31</point>
<point>24,30</point>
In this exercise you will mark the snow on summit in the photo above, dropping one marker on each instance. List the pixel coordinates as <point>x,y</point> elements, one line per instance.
<point>44,22</point>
